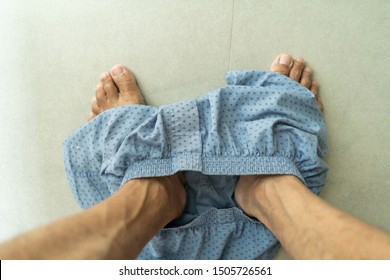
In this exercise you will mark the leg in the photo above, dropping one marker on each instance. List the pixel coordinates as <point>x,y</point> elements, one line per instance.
<point>118,227</point>
<point>307,227</point>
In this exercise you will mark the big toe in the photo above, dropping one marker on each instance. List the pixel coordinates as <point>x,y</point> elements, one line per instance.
<point>123,78</point>
<point>126,83</point>
<point>282,64</point>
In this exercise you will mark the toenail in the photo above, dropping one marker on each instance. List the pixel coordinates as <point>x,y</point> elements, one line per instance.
<point>300,59</point>
<point>285,59</point>
<point>117,71</point>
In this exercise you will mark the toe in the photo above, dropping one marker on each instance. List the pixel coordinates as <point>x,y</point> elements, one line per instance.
<point>307,76</point>
<point>297,68</point>
<point>91,116</point>
<point>96,109</point>
<point>315,87</point>
<point>282,64</point>
<point>109,87</point>
<point>320,104</point>
<point>101,97</point>
<point>124,79</point>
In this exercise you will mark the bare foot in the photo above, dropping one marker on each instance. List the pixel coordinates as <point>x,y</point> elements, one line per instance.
<point>116,88</point>
<point>297,70</point>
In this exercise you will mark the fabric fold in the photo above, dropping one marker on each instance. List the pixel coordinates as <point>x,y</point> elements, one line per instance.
<point>260,123</point>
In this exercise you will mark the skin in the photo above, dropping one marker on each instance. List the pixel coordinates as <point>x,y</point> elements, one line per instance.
<point>117,228</point>
<point>120,226</point>
<point>307,226</point>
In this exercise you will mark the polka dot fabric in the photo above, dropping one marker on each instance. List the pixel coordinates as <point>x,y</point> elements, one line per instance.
<point>260,123</point>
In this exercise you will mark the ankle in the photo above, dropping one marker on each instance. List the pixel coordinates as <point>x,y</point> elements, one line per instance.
<point>269,192</point>
<point>170,195</point>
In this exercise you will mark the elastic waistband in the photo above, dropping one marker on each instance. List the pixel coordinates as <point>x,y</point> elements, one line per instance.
<point>215,165</point>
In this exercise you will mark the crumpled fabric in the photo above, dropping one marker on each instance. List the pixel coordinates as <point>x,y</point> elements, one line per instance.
<point>260,123</point>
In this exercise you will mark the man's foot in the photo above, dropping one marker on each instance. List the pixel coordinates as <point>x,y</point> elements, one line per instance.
<point>297,70</point>
<point>116,88</point>
<point>246,188</point>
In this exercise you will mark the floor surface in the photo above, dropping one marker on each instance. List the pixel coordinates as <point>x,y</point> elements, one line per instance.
<point>52,53</point>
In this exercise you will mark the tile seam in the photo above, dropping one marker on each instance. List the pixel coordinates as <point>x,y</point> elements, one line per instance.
<point>231,37</point>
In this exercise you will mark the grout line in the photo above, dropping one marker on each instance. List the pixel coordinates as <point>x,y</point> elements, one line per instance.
<point>231,38</point>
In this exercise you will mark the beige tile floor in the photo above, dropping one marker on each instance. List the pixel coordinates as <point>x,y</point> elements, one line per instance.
<point>52,53</point>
